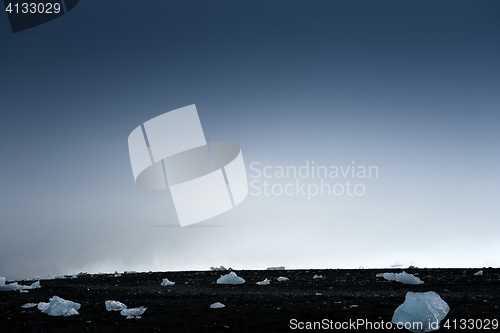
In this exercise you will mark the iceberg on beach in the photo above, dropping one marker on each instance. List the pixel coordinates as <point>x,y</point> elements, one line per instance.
<point>421,312</point>
<point>133,313</point>
<point>265,282</point>
<point>166,282</point>
<point>230,278</point>
<point>29,305</point>
<point>401,277</point>
<point>217,305</point>
<point>115,306</point>
<point>59,307</point>
<point>16,286</point>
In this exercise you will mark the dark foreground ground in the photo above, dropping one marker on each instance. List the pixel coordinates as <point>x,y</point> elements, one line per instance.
<point>341,296</point>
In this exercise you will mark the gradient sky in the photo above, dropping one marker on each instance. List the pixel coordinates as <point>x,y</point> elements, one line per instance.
<point>411,87</point>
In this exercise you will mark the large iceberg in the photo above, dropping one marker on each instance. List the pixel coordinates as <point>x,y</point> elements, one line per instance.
<point>16,286</point>
<point>401,277</point>
<point>59,307</point>
<point>421,312</point>
<point>221,268</point>
<point>277,268</point>
<point>230,278</point>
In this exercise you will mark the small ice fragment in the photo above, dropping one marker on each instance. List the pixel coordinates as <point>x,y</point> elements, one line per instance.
<point>23,291</point>
<point>317,276</point>
<point>282,279</point>
<point>29,305</point>
<point>478,273</point>
<point>133,313</point>
<point>59,307</point>
<point>217,305</point>
<point>166,282</point>
<point>230,278</point>
<point>421,312</point>
<point>115,306</point>
<point>401,277</point>
<point>265,282</point>
<point>71,312</point>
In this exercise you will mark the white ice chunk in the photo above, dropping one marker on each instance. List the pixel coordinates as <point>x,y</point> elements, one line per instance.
<point>166,282</point>
<point>317,276</point>
<point>478,273</point>
<point>133,313</point>
<point>277,268</point>
<point>401,277</point>
<point>421,312</point>
<point>217,305</point>
<point>221,268</point>
<point>115,306</point>
<point>16,286</point>
<point>48,277</point>
<point>29,305</point>
<point>282,279</point>
<point>265,282</point>
<point>230,278</point>
<point>59,307</point>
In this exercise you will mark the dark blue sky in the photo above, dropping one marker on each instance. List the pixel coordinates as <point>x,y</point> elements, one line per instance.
<point>411,87</point>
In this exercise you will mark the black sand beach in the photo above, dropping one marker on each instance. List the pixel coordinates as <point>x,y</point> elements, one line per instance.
<point>340,296</point>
